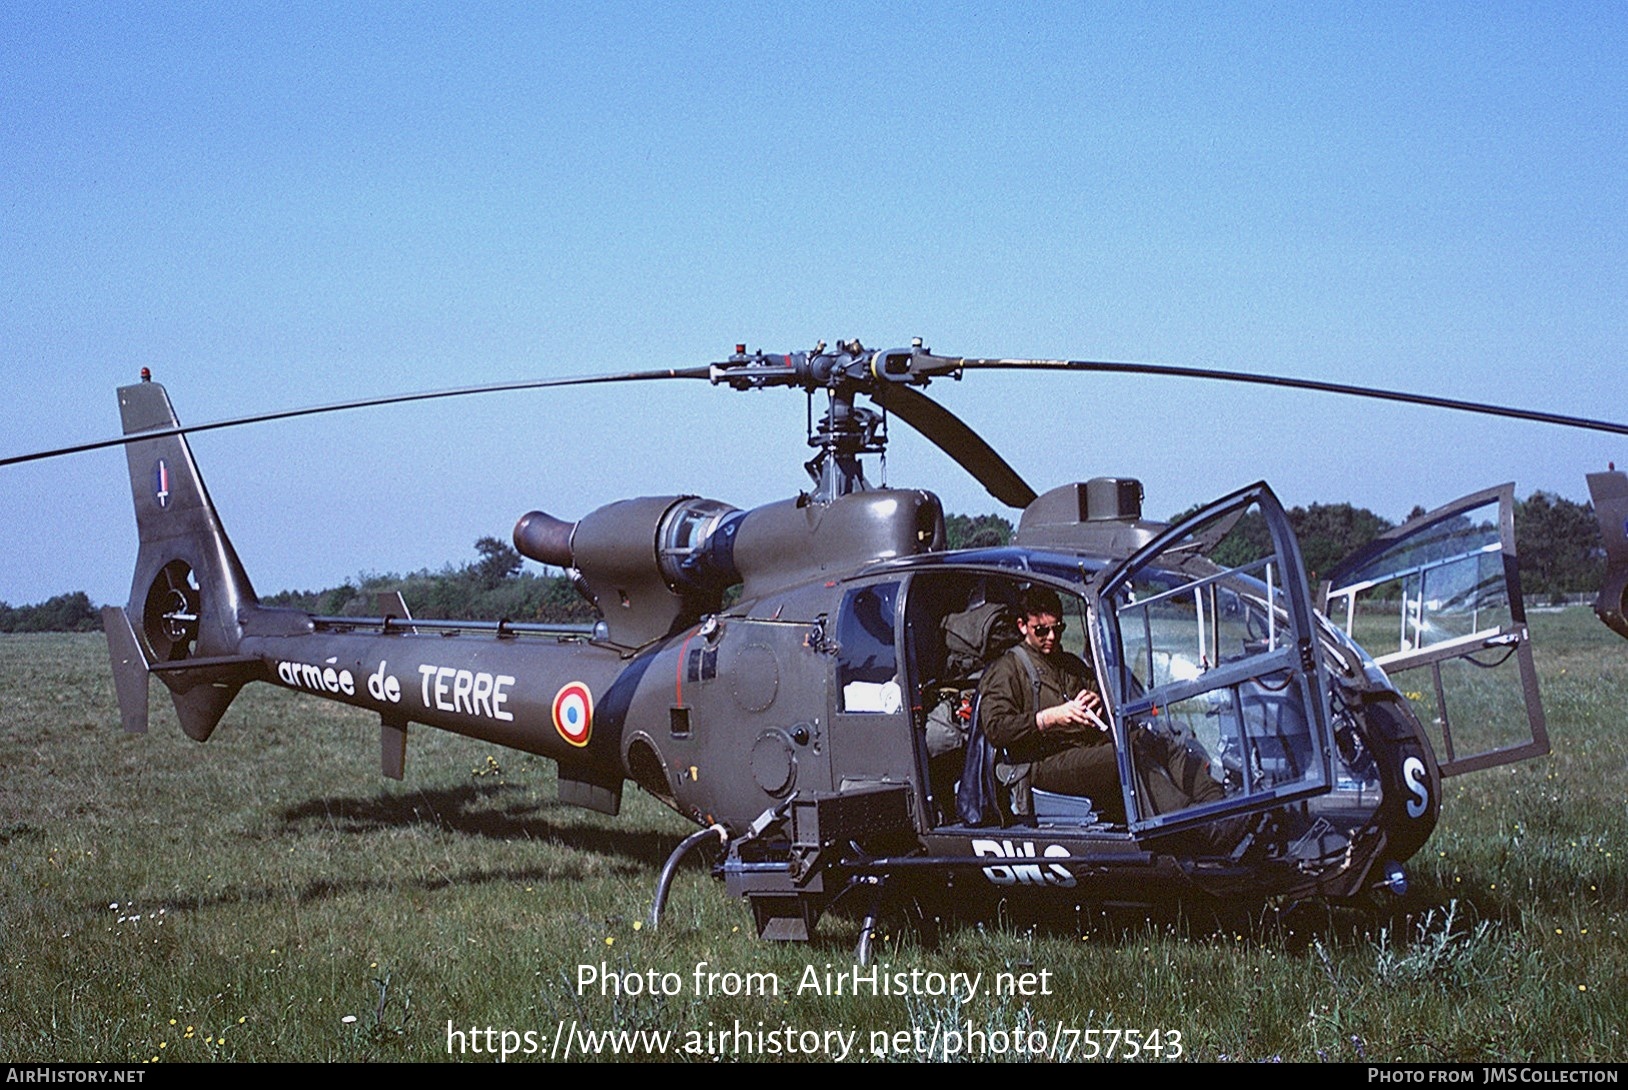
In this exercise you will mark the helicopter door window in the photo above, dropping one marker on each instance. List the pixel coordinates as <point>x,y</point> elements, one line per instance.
<point>1209,663</point>
<point>1438,600</point>
<point>867,663</point>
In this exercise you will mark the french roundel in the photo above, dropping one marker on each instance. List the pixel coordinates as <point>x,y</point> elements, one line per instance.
<point>574,713</point>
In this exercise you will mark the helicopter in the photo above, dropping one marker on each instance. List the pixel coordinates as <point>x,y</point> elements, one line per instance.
<point>801,679</point>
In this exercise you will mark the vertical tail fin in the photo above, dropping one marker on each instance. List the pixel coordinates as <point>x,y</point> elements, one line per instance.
<point>190,593</point>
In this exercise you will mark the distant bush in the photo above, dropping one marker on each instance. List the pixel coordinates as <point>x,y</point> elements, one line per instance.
<point>976,531</point>
<point>1557,541</point>
<point>490,588</point>
<point>64,613</point>
<point>1559,546</point>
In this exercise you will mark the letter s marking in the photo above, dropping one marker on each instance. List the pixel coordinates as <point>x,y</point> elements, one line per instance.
<point>1413,775</point>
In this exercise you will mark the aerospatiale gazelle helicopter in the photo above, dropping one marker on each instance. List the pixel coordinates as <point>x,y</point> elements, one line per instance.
<point>822,723</point>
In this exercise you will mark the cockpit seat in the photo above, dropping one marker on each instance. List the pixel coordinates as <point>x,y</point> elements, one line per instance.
<point>993,792</point>
<point>1049,807</point>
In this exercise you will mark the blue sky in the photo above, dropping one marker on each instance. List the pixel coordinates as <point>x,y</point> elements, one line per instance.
<point>273,206</point>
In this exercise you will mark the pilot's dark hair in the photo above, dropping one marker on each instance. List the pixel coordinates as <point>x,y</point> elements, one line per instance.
<point>1041,600</point>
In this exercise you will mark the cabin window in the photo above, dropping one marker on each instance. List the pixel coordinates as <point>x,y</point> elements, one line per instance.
<point>867,664</point>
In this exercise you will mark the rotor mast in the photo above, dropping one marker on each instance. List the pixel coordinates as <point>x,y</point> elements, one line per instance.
<point>846,431</point>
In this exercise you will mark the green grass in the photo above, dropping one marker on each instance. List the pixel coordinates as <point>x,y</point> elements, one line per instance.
<point>240,900</point>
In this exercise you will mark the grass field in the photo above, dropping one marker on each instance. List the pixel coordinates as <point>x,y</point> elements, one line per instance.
<point>267,896</point>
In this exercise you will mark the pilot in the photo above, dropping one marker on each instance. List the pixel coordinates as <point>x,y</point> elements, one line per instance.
<point>1052,719</point>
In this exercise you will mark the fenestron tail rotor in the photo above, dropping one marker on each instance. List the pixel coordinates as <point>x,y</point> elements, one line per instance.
<point>170,614</point>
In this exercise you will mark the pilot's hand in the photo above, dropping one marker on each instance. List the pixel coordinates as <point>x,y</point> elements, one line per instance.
<point>1083,712</point>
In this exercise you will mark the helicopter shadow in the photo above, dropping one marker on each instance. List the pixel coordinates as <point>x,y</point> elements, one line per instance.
<point>487,811</point>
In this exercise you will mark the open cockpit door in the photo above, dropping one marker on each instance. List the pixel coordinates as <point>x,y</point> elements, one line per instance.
<point>1208,644</point>
<point>1441,595</point>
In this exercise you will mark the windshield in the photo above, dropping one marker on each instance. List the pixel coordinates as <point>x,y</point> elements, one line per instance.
<point>1178,625</point>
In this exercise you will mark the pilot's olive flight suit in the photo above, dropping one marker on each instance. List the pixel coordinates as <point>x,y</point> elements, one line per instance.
<point>1078,763</point>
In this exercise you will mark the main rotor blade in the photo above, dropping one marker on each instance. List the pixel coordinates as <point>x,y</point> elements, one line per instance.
<point>363,403</point>
<point>1485,408</point>
<point>952,435</point>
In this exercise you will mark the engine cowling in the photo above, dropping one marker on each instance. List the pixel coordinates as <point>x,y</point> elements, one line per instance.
<point>653,566</point>
<point>645,563</point>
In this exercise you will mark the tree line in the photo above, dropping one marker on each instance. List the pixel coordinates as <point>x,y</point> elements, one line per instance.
<point>1557,541</point>
<point>488,588</point>
<point>64,613</point>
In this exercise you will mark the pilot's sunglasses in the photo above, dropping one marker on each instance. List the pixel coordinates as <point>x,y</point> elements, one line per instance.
<point>1044,630</point>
